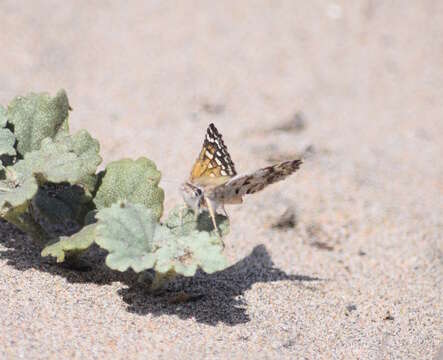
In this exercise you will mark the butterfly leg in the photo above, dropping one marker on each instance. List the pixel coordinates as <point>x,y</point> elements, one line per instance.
<point>224,211</point>
<point>214,222</point>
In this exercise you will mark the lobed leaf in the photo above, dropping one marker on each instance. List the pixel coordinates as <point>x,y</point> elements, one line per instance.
<point>87,150</point>
<point>134,181</point>
<point>71,160</point>
<point>65,169</point>
<point>133,237</point>
<point>61,161</point>
<point>7,138</point>
<point>197,243</point>
<point>67,245</point>
<point>182,221</point>
<point>127,231</point>
<point>16,189</point>
<point>3,117</point>
<point>186,254</point>
<point>36,117</point>
<point>7,141</point>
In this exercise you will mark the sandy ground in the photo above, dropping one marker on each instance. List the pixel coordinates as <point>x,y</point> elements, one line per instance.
<point>359,276</point>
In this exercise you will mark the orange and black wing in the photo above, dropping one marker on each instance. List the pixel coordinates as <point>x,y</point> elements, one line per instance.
<point>214,159</point>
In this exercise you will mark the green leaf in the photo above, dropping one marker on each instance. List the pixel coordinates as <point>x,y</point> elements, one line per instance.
<point>16,189</point>
<point>134,181</point>
<point>7,138</point>
<point>197,243</point>
<point>68,245</point>
<point>7,141</point>
<point>57,161</point>
<point>36,117</point>
<point>188,253</point>
<point>71,160</point>
<point>87,149</point>
<point>133,237</point>
<point>182,221</point>
<point>127,231</point>
<point>3,117</point>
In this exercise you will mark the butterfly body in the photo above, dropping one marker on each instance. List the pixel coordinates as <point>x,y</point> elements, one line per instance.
<point>214,181</point>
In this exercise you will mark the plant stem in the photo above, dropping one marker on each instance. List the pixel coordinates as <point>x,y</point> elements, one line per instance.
<point>25,222</point>
<point>160,280</point>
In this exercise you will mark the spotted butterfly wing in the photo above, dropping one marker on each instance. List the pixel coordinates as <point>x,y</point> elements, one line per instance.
<point>241,185</point>
<point>214,159</point>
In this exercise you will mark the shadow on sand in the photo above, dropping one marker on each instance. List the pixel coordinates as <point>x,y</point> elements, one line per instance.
<point>210,298</point>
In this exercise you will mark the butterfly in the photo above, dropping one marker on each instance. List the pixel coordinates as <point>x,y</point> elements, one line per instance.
<point>214,181</point>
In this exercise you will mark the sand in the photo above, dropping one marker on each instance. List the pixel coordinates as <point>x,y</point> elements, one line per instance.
<point>355,87</point>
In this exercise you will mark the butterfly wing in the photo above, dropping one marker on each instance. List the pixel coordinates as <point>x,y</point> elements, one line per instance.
<point>240,185</point>
<point>214,159</point>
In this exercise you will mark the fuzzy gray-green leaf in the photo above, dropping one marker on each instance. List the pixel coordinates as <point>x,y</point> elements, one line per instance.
<point>7,138</point>
<point>127,231</point>
<point>188,253</point>
<point>134,181</point>
<point>133,237</point>
<point>71,244</point>
<point>36,117</point>
<point>57,161</point>
<point>70,161</point>
<point>87,150</point>
<point>182,221</point>
<point>3,117</point>
<point>16,189</point>
<point>7,141</point>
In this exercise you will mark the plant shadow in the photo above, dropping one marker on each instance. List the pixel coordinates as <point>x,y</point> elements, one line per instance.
<point>209,299</point>
<point>23,254</point>
<point>213,298</point>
